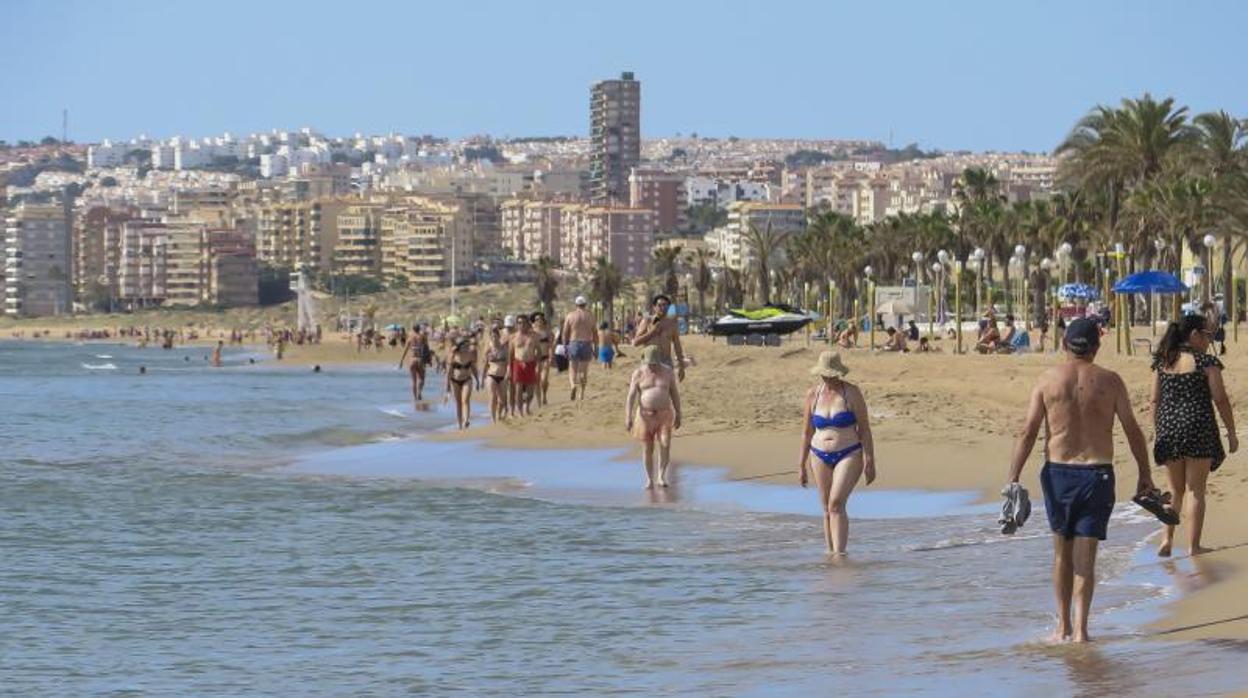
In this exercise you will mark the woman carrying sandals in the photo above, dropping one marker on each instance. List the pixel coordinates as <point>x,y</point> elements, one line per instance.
<point>1187,386</point>
<point>836,439</point>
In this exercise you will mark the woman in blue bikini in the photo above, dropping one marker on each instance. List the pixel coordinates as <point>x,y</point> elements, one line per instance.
<point>837,442</point>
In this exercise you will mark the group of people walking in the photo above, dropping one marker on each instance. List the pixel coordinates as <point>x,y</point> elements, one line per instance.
<point>1076,403</point>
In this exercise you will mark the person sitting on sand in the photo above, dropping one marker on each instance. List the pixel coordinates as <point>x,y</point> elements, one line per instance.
<point>418,346</point>
<point>912,331</point>
<point>925,346</point>
<point>461,375</point>
<point>989,339</point>
<point>1076,403</point>
<point>837,443</point>
<point>523,361</point>
<point>896,340</point>
<point>652,412</point>
<point>1187,386</point>
<point>848,337</point>
<point>1011,331</point>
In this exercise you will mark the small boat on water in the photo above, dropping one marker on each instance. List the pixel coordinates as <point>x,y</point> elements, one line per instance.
<point>776,318</point>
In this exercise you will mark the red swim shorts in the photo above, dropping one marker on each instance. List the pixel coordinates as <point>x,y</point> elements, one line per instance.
<point>524,372</point>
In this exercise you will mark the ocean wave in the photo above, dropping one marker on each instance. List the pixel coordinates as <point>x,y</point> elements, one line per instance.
<point>100,367</point>
<point>103,356</point>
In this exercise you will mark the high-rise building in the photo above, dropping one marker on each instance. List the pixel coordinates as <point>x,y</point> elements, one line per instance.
<point>661,192</point>
<point>38,266</point>
<point>615,137</point>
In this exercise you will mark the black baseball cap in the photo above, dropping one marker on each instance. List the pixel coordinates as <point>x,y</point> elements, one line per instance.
<point>1082,336</point>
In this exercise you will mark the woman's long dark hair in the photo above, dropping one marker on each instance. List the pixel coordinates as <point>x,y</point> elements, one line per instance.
<point>1177,334</point>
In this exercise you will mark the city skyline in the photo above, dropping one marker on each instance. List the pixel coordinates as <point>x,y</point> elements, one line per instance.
<point>977,77</point>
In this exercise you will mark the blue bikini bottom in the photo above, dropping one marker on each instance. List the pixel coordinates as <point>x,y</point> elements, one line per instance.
<point>831,458</point>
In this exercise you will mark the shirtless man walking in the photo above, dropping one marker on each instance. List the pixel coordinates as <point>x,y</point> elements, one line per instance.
<point>662,332</point>
<point>581,339</point>
<point>652,412</point>
<point>1076,402</point>
<point>523,361</point>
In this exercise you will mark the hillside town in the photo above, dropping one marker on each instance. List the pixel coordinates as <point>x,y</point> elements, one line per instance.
<point>221,221</point>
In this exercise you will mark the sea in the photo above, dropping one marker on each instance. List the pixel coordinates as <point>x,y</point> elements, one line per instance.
<point>261,529</point>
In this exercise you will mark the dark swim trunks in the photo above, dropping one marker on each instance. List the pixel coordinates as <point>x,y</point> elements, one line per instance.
<point>580,350</point>
<point>1078,498</point>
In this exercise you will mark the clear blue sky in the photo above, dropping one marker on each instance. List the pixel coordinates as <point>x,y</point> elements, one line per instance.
<point>996,74</point>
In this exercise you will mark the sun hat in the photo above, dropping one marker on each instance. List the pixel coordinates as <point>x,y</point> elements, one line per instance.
<point>580,300</point>
<point>509,321</point>
<point>650,355</point>
<point>829,365</point>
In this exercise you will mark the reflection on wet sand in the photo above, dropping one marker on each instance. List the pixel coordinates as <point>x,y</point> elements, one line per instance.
<point>1196,572</point>
<point>1096,673</point>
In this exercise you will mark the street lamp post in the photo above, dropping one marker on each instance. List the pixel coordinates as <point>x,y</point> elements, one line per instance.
<point>869,302</point>
<point>1020,251</point>
<point>933,303</point>
<point>1153,304</point>
<point>978,257</point>
<point>1209,241</point>
<point>1046,266</point>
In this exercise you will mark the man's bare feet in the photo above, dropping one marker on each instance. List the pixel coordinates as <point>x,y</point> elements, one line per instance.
<point>1200,550</point>
<point>1081,637</point>
<point>649,484</point>
<point>1163,550</point>
<point>573,394</point>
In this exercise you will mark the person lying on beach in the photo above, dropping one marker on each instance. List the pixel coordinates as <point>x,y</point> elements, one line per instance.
<point>837,444</point>
<point>1076,402</point>
<point>661,331</point>
<point>652,412</point>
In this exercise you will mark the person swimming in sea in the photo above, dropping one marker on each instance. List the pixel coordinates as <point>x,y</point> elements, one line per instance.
<point>837,443</point>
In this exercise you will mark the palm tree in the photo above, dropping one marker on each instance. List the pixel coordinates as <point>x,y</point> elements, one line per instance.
<point>700,261</point>
<point>547,284</point>
<point>666,260</point>
<point>604,283</point>
<point>764,242</point>
<point>1221,153</point>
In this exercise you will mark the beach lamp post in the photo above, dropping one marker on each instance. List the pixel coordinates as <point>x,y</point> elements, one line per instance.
<point>1209,241</point>
<point>715,283</point>
<point>933,304</point>
<point>1020,251</point>
<point>917,257</point>
<point>1047,265</point>
<point>1011,292</point>
<point>1160,246</point>
<point>943,258</point>
<point>869,301</point>
<point>978,258</point>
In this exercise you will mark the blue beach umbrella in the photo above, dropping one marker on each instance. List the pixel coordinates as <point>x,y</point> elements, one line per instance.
<point>1079,291</point>
<point>1150,282</point>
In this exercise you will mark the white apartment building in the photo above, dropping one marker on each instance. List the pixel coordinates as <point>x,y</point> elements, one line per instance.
<point>701,190</point>
<point>37,262</point>
<point>731,240</point>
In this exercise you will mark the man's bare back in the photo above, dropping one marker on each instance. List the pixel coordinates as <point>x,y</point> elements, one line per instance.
<point>1080,401</point>
<point>578,326</point>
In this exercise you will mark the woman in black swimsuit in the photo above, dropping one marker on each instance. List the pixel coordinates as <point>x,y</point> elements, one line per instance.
<point>1187,386</point>
<point>496,375</point>
<point>461,375</point>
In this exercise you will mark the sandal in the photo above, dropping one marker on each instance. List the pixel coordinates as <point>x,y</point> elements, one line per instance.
<point>1157,503</point>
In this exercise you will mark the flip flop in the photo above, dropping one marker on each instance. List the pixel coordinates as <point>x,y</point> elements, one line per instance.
<point>1156,503</point>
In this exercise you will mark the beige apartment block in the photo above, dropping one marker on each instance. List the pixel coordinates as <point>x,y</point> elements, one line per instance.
<point>97,249</point>
<point>623,236</point>
<point>141,272</point>
<point>38,265</point>
<point>732,239</point>
<point>662,192</point>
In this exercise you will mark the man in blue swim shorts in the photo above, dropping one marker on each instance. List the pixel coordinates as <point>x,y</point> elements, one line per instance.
<point>1076,402</point>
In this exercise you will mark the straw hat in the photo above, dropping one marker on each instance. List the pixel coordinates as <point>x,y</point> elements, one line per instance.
<point>650,355</point>
<point>829,365</point>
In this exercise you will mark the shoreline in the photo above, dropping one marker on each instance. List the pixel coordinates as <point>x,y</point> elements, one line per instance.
<point>941,423</point>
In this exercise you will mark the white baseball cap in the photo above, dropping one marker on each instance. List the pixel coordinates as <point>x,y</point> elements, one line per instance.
<point>509,321</point>
<point>580,300</point>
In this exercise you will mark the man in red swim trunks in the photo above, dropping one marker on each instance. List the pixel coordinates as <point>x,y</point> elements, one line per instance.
<point>523,355</point>
<point>653,407</point>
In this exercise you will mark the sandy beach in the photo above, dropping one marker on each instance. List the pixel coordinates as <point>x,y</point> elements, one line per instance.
<point>941,422</point>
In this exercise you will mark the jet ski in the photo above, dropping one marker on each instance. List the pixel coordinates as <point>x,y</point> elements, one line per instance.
<point>776,318</point>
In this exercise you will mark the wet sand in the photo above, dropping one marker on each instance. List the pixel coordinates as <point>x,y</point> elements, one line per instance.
<point>941,422</point>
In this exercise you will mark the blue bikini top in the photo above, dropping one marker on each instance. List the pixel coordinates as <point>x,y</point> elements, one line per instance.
<point>840,420</point>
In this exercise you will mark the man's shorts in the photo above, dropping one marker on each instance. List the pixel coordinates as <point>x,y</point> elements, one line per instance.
<point>580,350</point>
<point>1078,498</point>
